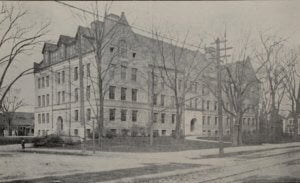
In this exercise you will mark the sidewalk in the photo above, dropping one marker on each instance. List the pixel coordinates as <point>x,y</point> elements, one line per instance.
<point>195,138</point>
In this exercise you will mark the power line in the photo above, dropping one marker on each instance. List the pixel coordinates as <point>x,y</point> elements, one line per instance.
<point>132,26</point>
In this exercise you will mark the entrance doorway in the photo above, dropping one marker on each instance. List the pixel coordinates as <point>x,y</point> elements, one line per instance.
<point>193,123</point>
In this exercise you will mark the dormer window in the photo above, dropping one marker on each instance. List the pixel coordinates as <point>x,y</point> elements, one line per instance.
<point>122,49</point>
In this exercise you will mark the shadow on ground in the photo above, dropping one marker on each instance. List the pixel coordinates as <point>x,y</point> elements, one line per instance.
<point>111,175</point>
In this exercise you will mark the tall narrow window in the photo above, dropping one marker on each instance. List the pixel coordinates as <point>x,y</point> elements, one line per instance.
<point>112,114</point>
<point>47,99</point>
<point>216,121</point>
<point>39,118</point>
<point>123,93</point>
<point>47,118</point>
<point>203,120</point>
<point>155,117</point>
<point>43,82</point>
<point>155,99</point>
<point>203,103</point>
<point>196,103</point>
<point>179,85</point>
<point>58,97</point>
<point>43,100</point>
<point>39,83</point>
<point>63,96</point>
<point>207,107</point>
<point>88,114</point>
<point>88,92</point>
<point>58,78</point>
<point>122,48</point>
<point>163,117</point>
<point>43,118</point>
<point>76,115</point>
<point>173,118</point>
<point>208,120</point>
<point>134,95</point>
<point>162,100</point>
<point>47,81</point>
<point>112,92</point>
<point>76,94</point>
<point>63,76</point>
<point>134,115</point>
<point>88,70</point>
<point>123,114</point>
<point>112,71</point>
<point>39,101</point>
<point>133,74</point>
<point>216,105</point>
<point>123,72</point>
<point>75,73</point>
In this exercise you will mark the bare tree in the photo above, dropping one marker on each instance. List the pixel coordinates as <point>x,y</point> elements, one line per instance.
<point>270,54</point>
<point>180,68</point>
<point>16,40</point>
<point>10,105</point>
<point>291,78</point>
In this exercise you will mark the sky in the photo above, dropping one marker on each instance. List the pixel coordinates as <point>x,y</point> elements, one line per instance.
<point>200,20</point>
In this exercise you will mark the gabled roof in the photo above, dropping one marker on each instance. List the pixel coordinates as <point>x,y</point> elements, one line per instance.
<point>65,40</point>
<point>49,47</point>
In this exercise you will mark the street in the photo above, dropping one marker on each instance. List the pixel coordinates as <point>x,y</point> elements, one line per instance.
<point>240,164</point>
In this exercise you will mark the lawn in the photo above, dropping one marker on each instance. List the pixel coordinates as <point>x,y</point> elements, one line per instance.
<point>141,144</point>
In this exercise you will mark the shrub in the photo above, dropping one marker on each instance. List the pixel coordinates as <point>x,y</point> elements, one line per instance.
<point>16,140</point>
<point>49,141</point>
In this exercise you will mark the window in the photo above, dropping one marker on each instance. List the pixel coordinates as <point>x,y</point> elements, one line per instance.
<point>76,94</point>
<point>133,74</point>
<point>133,54</point>
<point>39,83</point>
<point>58,78</point>
<point>155,99</point>
<point>173,118</point>
<point>122,48</point>
<point>58,97</point>
<point>196,87</point>
<point>112,114</point>
<point>47,99</point>
<point>134,115</point>
<point>88,114</point>
<point>39,118</point>
<point>155,117</point>
<point>216,105</point>
<point>179,84</point>
<point>163,132</point>
<point>63,76</point>
<point>216,121</point>
<point>134,95</point>
<point>76,117</point>
<point>253,121</point>
<point>203,102</point>
<point>112,71</point>
<point>248,121</point>
<point>76,132</point>
<point>63,96</point>
<point>88,132</point>
<point>203,90</point>
<point>196,103</point>
<point>112,92</point>
<point>43,82</point>
<point>43,100</point>
<point>163,117</point>
<point>203,120</point>
<point>43,118</point>
<point>47,118</point>
<point>88,92</point>
<point>88,70</point>
<point>75,73</point>
<point>111,49</point>
<point>207,107</point>
<point>191,103</point>
<point>123,114</point>
<point>173,101</point>
<point>162,100</point>
<point>228,119</point>
<point>123,72</point>
<point>208,120</point>
<point>47,81</point>
<point>123,93</point>
<point>39,101</point>
<point>216,132</point>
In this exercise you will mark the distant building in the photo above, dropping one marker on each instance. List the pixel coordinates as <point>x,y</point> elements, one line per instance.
<point>127,93</point>
<point>22,124</point>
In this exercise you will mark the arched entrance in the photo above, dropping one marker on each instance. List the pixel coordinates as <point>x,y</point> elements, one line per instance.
<point>60,124</point>
<point>193,123</point>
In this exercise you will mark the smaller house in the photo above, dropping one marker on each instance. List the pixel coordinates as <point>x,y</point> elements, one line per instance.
<point>22,124</point>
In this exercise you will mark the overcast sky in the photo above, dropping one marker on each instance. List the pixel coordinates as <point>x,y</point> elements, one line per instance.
<point>202,19</point>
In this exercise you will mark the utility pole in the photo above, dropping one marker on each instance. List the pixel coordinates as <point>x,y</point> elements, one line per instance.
<point>81,93</point>
<point>218,57</point>
<point>93,136</point>
<point>152,105</point>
